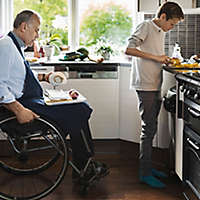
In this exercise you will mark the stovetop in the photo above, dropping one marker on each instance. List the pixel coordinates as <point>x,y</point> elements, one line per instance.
<point>190,78</point>
<point>189,84</point>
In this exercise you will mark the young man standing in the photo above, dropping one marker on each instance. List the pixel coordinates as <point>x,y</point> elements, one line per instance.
<point>147,46</point>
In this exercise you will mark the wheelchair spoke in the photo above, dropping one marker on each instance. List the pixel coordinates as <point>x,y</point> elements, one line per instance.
<point>54,144</point>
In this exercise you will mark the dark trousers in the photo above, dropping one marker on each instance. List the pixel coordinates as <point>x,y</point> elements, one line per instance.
<point>73,120</point>
<point>149,108</point>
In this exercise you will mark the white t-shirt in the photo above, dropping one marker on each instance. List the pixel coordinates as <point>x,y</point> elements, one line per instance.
<point>147,74</point>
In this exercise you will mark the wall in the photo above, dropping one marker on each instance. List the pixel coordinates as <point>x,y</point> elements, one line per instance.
<point>6,16</point>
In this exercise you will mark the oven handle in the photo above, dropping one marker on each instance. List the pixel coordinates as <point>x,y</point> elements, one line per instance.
<point>192,144</point>
<point>194,113</point>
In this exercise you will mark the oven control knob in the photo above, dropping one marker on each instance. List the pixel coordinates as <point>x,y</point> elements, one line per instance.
<point>196,96</point>
<point>187,92</point>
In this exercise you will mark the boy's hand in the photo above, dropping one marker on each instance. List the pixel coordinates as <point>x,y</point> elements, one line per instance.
<point>163,59</point>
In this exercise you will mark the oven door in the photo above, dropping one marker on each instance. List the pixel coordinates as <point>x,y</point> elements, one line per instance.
<point>191,164</point>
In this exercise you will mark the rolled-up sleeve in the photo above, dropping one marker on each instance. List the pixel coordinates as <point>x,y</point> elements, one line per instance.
<point>138,36</point>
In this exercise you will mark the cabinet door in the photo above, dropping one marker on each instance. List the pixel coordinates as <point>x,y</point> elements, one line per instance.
<point>153,5</point>
<point>129,118</point>
<point>103,96</point>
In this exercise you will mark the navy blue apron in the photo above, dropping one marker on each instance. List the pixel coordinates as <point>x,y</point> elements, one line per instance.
<point>71,118</point>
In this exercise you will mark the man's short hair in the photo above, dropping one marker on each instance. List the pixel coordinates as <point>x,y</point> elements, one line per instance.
<point>172,10</point>
<point>23,16</point>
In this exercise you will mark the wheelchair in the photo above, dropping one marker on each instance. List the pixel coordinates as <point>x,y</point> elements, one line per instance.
<point>34,158</point>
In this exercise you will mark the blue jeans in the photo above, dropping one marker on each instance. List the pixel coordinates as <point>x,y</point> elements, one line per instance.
<point>149,108</point>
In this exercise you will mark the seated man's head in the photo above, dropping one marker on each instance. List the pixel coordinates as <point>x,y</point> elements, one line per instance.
<point>26,26</point>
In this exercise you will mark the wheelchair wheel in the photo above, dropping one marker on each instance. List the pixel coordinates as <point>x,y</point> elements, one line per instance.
<point>34,159</point>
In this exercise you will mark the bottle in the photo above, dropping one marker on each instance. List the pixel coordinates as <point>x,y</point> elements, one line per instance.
<point>41,51</point>
<point>177,52</point>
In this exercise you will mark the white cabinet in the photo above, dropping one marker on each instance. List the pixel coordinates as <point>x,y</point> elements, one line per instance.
<point>103,96</point>
<point>129,119</point>
<point>144,5</point>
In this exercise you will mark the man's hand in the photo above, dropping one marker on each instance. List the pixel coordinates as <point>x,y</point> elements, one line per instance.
<point>23,115</point>
<point>44,77</point>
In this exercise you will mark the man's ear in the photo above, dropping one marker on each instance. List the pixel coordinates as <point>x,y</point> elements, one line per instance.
<point>163,16</point>
<point>23,27</point>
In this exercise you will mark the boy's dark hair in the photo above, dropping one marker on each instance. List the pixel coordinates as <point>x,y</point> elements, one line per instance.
<point>172,10</point>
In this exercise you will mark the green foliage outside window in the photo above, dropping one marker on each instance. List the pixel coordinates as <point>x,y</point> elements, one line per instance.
<point>48,9</point>
<point>110,24</point>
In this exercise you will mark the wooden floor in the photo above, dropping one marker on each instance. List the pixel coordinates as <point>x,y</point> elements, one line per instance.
<point>122,183</point>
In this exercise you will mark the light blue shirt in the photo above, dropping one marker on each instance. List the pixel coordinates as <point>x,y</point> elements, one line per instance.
<point>12,71</point>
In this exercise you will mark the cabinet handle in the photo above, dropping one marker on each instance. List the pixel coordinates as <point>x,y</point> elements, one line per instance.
<point>194,113</point>
<point>192,144</point>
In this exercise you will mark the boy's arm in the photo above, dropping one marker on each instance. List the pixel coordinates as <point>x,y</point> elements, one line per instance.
<point>135,52</point>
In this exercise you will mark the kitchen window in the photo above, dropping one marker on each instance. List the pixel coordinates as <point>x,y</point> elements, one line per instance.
<point>104,24</point>
<point>88,23</point>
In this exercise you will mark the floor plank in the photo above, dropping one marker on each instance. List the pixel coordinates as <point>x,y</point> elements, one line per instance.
<point>122,183</point>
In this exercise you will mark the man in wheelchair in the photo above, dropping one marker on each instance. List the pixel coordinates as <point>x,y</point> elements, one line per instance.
<point>21,93</point>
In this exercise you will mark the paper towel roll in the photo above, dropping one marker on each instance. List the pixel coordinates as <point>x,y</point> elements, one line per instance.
<point>57,78</point>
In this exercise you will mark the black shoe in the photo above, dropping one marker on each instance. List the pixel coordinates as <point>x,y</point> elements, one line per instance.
<point>101,169</point>
<point>96,170</point>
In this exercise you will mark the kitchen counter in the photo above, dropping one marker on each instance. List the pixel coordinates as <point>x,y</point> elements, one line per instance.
<point>106,65</point>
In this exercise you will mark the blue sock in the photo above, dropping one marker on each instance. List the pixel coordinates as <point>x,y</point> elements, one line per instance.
<point>159,174</point>
<point>152,181</point>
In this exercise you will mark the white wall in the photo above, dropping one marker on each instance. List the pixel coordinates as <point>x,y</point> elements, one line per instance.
<point>6,16</point>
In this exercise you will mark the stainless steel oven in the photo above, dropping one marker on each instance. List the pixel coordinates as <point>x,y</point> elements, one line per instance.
<point>191,164</point>
<point>191,142</point>
<point>190,112</point>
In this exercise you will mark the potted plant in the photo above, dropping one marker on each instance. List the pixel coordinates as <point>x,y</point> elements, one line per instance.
<point>105,51</point>
<point>55,42</point>
<point>51,45</point>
